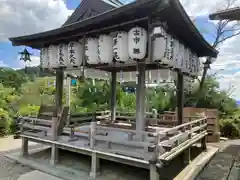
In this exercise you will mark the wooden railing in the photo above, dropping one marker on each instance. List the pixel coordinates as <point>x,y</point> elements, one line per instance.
<point>153,145</point>
<point>161,144</point>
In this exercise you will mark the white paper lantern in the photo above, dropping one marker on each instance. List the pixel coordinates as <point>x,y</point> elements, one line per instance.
<point>105,49</point>
<point>137,43</point>
<point>185,68</point>
<point>75,54</point>
<point>159,48</point>
<point>195,85</point>
<point>53,56</point>
<point>198,66</point>
<point>190,61</point>
<point>187,83</point>
<point>165,75</point>
<point>177,61</point>
<point>181,56</point>
<point>63,55</point>
<point>120,47</point>
<point>168,51</point>
<point>91,51</point>
<point>44,63</point>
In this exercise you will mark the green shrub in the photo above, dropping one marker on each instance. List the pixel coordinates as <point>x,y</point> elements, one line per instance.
<point>5,122</point>
<point>230,128</point>
<point>29,110</point>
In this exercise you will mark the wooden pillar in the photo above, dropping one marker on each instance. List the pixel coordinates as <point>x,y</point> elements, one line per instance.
<point>24,148</point>
<point>153,172</point>
<point>140,101</point>
<point>95,166</point>
<point>59,105</point>
<point>180,97</point>
<point>113,96</point>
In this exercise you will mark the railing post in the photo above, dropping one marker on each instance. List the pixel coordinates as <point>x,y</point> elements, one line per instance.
<point>93,131</point>
<point>24,148</point>
<point>204,140</point>
<point>54,149</point>
<point>153,161</point>
<point>95,163</point>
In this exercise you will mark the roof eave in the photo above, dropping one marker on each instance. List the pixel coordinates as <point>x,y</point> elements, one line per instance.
<point>212,50</point>
<point>208,50</point>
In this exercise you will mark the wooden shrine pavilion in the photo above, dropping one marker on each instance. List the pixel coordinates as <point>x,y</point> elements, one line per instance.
<point>142,36</point>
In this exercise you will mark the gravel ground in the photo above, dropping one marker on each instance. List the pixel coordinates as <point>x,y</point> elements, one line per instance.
<point>10,170</point>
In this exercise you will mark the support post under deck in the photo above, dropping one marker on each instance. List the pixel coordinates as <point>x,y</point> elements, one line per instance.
<point>95,166</point>
<point>140,101</point>
<point>153,172</point>
<point>58,103</point>
<point>113,96</point>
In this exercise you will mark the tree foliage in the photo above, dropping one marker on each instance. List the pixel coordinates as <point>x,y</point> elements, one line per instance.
<point>89,97</point>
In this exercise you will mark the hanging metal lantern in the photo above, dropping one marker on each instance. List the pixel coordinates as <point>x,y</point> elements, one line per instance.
<point>63,55</point>
<point>91,51</point>
<point>25,56</point>
<point>120,47</point>
<point>44,63</point>
<point>105,49</point>
<point>75,54</point>
<point>53,56</point>
<point>137,43</point>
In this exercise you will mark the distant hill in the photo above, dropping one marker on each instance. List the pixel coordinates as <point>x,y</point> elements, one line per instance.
<point>35,71</point>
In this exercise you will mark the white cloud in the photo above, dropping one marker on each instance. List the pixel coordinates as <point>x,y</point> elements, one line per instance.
<point>2,64</point>
<point>21,17</point>
<point>205,7</point>
<point>227,65</point>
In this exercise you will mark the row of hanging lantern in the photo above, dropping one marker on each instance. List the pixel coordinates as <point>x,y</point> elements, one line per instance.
<point>122,46</point>
<point>168,51</point>
<point>102,50</point>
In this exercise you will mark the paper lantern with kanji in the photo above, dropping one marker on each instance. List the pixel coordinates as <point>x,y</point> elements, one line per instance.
<point>137,43</point>
<point>168,51</point>
<point>181,56</point>
<point>193,64</point>
<point>105,49</point>
<point>91,51</point>
<point>44,63</point>
<point>159,47</point>
<point>120,47</point>
<point>186,60</point>
<point>197,65</point>
<point>75,54</point>
<point>165,75</point>
<point>177,61</point>
<point>53,56</point>
<point>187,81</point>
<point>63,55</point>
